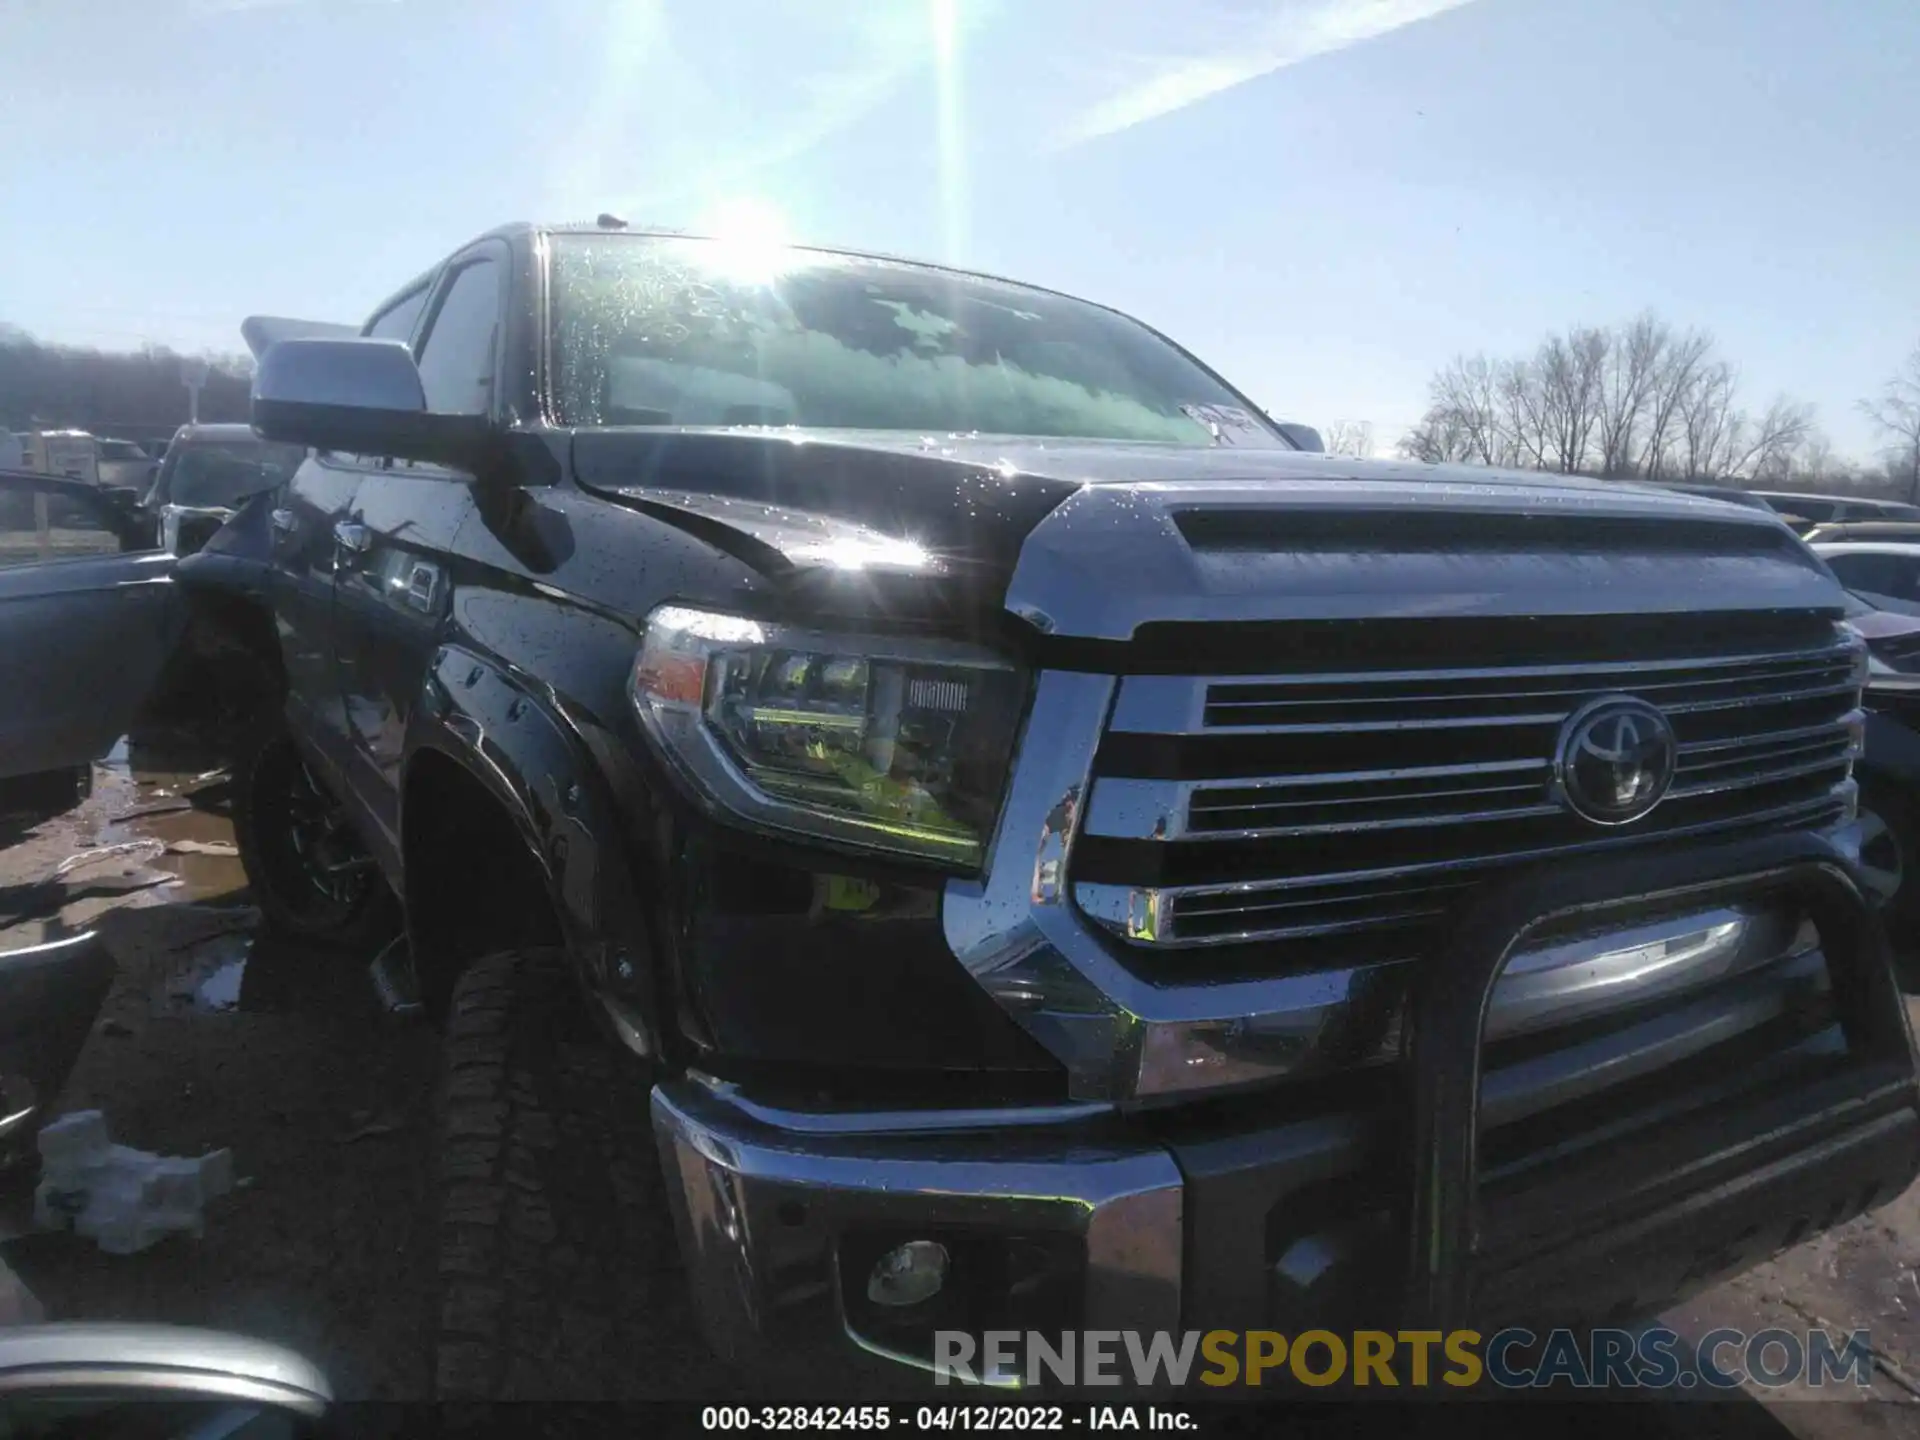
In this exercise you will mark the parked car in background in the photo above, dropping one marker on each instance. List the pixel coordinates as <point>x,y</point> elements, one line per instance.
<point>1884,581</point>
<point>113,464</point>
<point>1849,532</point>
<point>123,465</point>
<point>1043,851</point>
<point>1889,775</point>
<point>73,454</point>
<point>1803,512</point>
<point>209,472</point>
<point>1884,573</point>
<point>1722,492</point>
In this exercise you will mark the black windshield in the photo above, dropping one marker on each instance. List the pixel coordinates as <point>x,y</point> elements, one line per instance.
<point>652,330</point>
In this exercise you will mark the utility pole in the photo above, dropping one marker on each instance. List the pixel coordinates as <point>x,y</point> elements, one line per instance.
<point>193,374</point>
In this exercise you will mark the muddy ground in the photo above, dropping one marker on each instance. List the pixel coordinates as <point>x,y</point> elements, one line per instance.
<point>213,1036</point>
<point>210,1038</point>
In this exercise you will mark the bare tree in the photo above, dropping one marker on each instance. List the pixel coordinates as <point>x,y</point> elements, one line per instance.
<point>1524,418</point>
<point>1464,419</point>
<point>1438,437</point>
<point>1565,384</point>
<point>1469,391</point>
<point>1639,400</point>
<point>1627,380</point>
<point>1813,464</point>
<point>1350,437</point>
<point>1896,415</point>
<point>1770,444</point>
<point>1685,356</point>
<point>1708,429</point>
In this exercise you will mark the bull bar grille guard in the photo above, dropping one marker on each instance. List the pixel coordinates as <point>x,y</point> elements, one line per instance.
<point>1458,1246</point>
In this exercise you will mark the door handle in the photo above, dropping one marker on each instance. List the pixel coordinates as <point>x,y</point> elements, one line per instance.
<point>352,536</point>
<point>285,522</point>
<point>423,587</point>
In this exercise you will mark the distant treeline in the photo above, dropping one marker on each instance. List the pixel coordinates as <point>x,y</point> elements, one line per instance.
<point>1647,401</point>
<point>134,395</point>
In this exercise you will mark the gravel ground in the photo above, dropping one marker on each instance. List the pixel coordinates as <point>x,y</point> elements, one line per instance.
<point>212,1037</point>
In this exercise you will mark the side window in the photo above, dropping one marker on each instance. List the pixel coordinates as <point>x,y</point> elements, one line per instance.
<point>40,523</point>
<point>1876,573</point>
<point>456,359</point>
<point>1906,579</point>
<point>396,322</point>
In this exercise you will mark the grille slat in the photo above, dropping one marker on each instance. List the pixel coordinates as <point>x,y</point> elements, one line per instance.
<point>1291,711</point>
<point>1278,806</point>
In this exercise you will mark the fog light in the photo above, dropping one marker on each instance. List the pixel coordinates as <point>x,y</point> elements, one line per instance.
<point>908,1274</point>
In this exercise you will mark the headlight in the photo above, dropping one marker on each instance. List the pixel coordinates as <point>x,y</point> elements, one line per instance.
<point>891,744</point>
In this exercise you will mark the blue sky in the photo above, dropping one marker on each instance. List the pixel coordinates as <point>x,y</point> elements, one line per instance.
<point>1325,198</point>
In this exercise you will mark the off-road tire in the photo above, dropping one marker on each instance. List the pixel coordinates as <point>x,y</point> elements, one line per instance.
<point>557,1264</point>
<point>289,904</point>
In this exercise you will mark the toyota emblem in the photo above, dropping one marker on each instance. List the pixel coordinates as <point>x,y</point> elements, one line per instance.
<point>1615,760</point>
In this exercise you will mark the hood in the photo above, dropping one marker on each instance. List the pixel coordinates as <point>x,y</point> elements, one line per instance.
<point>1221,533</point>
<point>1073,463</point>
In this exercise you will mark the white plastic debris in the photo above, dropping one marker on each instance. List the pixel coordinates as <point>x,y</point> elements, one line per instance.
<point>121,1198</point>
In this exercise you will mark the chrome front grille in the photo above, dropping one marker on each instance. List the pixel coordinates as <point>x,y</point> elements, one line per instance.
<point>1360,802</point>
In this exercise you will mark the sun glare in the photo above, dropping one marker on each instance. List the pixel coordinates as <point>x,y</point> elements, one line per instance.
<point>751,240</point>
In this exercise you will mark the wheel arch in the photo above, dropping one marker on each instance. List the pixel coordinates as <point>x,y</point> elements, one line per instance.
<point>510,835</point>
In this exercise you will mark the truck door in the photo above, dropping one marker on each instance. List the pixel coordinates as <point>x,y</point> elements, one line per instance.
<point>313,542</point>
<point>394,590</point>
<point>87,619</point>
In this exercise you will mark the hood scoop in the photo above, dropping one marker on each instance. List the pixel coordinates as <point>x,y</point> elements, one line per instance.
<point>1418,530</point>
<point>1114,558</point>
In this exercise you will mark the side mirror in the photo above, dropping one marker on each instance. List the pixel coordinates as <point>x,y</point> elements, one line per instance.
<point>1304,436</point>
<point>68,1372</point>
<point>362,396</point>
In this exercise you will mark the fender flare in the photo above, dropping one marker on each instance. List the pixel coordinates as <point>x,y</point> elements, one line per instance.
<point>521,743</point>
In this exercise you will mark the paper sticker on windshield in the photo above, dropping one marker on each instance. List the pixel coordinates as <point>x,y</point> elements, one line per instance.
<point>1228,423</point>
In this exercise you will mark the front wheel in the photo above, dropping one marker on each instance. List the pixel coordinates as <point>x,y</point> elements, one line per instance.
<point>307,871</point>
<point>557,1255</point>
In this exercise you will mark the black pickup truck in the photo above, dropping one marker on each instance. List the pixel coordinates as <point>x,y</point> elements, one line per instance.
<point>912,789</point>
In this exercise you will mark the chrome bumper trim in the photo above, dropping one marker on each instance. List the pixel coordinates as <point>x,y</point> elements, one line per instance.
<point>1120,1038</point>
<point>761,1214</point>
<point>981,1119</point>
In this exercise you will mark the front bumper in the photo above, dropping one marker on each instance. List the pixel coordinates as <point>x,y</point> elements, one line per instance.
<point>778,1227</point>
<point>1361,1206</point>
<point>781,1215</point>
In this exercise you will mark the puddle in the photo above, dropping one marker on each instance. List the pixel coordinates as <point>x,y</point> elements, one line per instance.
<point>236,972</point>
<point>178,798</point>
<point>221,990</point>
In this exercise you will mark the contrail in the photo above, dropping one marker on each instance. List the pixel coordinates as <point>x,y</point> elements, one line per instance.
<point>1298,33</point>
